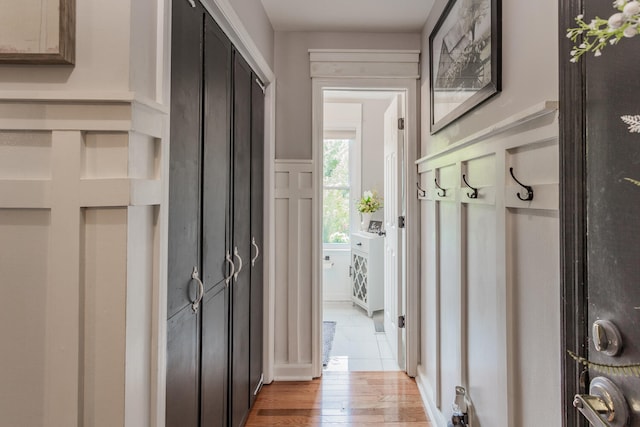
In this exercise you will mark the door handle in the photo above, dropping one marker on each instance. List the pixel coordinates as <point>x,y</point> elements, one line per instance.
<point>253,260</point>
<point>195,305</point>
<point>237,255</point>
<point>233,269</point>
<point>604,406</point>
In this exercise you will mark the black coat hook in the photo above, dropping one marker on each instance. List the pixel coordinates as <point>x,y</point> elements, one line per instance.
<point>529,195</point>
<point>444,191</point>
<point>421,192</point>
<point>474,194</point>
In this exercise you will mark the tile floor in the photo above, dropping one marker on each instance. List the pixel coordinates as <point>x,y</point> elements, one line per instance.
<point>356,344</point>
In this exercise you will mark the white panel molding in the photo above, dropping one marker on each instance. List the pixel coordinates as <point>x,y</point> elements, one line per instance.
<point>528,141</point>
<point>294,183</point>
<point>520,119</point>
<point>350,63</point>
<point>137,157</point>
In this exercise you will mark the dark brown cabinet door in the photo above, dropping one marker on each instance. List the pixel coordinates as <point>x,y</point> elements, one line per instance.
<point>257,232</point>
<point>184,173</point>
<point>241,286</point>
<point>216,224</point>
<point>214,352</point>
<point>183,351</point>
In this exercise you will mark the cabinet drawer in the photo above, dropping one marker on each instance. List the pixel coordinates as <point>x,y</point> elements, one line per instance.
<point>360,243</point>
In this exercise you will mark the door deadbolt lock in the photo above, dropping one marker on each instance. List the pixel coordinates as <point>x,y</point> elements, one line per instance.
<point>606,337</point>
<point>604,406</point>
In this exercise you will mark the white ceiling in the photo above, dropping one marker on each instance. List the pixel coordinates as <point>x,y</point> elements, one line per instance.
<point>348,15</point>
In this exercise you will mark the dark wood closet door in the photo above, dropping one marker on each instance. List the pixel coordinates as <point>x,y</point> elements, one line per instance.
<point>241,291</point>
<point>184,182</point>
<point>215,224</point>
<point>184,218</point>
<point>257,231</point>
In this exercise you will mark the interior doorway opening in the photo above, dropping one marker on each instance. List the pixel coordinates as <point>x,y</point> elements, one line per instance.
<point>362,273</point>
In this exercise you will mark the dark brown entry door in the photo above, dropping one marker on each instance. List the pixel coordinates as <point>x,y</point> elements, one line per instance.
<point>610,305</point>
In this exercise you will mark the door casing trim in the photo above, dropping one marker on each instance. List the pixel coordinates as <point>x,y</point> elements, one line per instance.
<point>412,267</point>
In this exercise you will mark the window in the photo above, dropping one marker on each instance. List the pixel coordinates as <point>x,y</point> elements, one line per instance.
<point>336,223</point>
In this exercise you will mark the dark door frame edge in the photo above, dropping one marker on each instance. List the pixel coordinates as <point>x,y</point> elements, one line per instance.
<point>573,240</point>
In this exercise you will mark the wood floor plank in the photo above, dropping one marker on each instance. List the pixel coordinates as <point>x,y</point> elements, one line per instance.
<point>338,399</point>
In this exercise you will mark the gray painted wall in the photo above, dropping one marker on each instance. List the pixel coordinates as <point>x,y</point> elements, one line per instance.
<point>529,70</point>
<point>293,90</point>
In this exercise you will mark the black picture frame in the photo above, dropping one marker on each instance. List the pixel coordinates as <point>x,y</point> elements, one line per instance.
<point>465,59</point>
<point>374,226</point>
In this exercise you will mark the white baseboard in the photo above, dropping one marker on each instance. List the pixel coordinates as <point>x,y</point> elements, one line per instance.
<point>297,372</point>
<point>424,386</point>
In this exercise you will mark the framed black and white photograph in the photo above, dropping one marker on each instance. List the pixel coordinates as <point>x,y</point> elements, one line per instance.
<point>374,226</point>
<point>464,59</point>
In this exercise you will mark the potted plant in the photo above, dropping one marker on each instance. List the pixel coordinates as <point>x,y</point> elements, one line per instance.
<point>368,204</point>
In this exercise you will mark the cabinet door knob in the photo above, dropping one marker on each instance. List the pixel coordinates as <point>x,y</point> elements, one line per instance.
<point>359,244</point>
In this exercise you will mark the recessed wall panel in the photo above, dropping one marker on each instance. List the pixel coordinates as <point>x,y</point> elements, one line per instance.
<point>24,247</point>
<point>104,300</point>
<point>25,155</point>
<point>533,280</point>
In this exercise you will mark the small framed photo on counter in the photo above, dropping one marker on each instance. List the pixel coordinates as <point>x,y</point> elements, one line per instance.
<point>374,226</point>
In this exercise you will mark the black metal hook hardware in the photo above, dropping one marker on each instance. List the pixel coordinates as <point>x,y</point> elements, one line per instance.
<point>421,191</point>
<point>444,191</point>
<point>529,195</point>
<point>474,194</point>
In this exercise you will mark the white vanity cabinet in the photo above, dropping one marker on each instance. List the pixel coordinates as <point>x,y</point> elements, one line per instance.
<point>367,271</point>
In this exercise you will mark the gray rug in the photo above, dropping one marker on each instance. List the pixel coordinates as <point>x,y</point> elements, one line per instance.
<point>328,331</point>
<point>378,320</point>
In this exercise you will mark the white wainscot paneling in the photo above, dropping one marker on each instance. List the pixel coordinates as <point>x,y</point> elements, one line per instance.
<point>80,195</point>
<point>490,274</point>
<point>534,283</point>
<point>24,243</point>
<point>294,208</point>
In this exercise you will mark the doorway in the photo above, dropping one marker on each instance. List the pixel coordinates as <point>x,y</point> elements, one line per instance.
<point>363,169</point>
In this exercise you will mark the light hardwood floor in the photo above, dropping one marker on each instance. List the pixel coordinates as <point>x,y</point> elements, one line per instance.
<point>341,398</point>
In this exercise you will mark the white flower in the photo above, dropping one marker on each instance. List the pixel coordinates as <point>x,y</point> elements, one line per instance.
<point>593,24</point>
<point>630,31</point>
<point>580,16</point>
<point>582,46</point>
<point>613,41</point>
<point>631,8</point>
<point>597,52</point>
<point>367,194</point>
<point>616,20</point>
<point>573,52</point>
<point>619,3</point>
<point>574,59</point>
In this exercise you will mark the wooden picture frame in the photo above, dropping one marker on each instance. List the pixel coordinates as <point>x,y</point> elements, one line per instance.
<point>464,59</point>
<point>37,32</point>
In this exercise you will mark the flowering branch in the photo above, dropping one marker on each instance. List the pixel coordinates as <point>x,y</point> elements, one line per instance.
<point>595,35</point>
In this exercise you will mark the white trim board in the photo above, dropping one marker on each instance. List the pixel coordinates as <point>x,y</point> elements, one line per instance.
<point>408,85</point>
